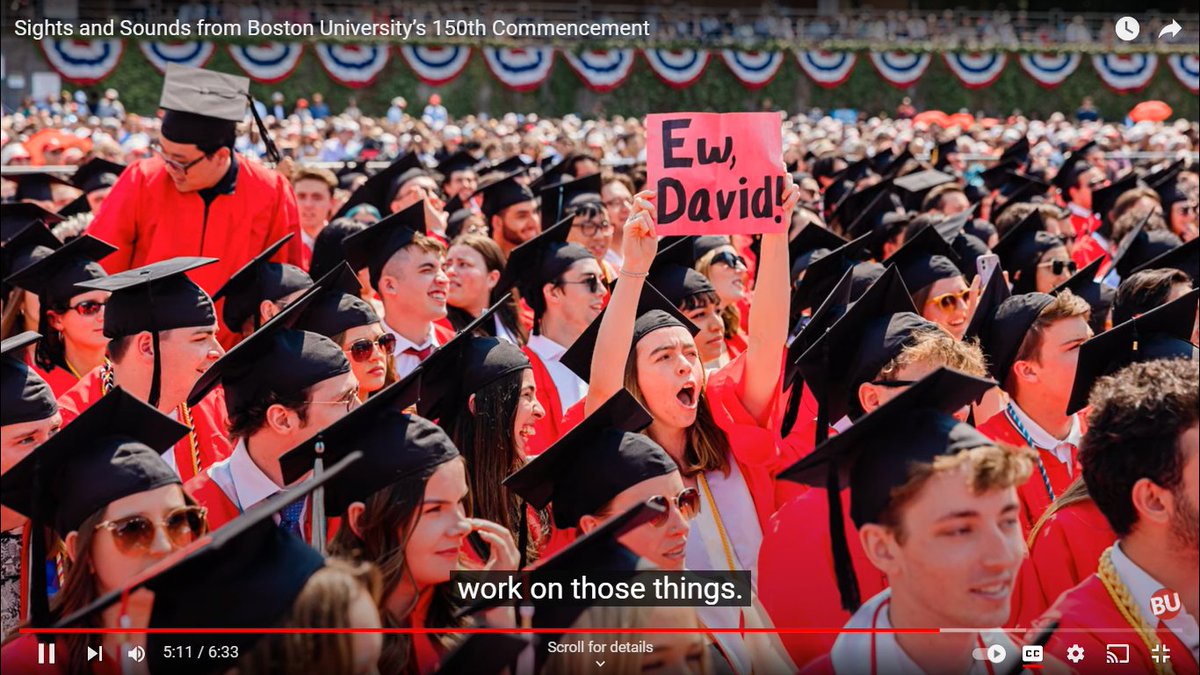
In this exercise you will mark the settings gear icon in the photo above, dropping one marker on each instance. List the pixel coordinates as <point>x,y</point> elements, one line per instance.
<point>1075,653</point>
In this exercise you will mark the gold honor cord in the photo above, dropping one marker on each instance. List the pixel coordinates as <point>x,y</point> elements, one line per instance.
<point>1128,608</point>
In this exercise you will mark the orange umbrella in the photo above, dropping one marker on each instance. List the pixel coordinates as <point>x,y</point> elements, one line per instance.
<point>1150,111</point>
<point>932,117</point>
<point>54,138</point>
<point>961,119</point>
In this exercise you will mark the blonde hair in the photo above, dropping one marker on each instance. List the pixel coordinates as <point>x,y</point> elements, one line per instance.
<point>1075,493</point>
<point>1066,305</point>
<point>730,315</point>
<point>938,347</point>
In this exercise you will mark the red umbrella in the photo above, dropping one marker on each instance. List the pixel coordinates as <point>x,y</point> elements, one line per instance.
<point>931,117</point>
<point>48,138</point>
<point>961,119</point>
<point>1150,111</point>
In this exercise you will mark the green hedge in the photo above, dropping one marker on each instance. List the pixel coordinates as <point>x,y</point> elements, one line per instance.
<point>477,90</point>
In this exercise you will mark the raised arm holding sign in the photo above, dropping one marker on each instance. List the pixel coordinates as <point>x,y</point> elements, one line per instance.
<point>716,173</point>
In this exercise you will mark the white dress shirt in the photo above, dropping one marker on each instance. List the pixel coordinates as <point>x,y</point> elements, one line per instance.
<point>406,363</point>
<point>1044,440</point>
<point>570,388</point>
<point>241,480</point>
<point>1142,586</point>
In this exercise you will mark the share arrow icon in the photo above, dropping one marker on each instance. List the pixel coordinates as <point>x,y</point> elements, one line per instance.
<point>1172,29</point>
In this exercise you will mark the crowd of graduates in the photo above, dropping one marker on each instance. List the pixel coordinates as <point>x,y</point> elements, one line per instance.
<point>240,394</point>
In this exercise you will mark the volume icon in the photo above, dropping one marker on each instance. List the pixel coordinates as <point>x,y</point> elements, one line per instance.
<point>136,653</point>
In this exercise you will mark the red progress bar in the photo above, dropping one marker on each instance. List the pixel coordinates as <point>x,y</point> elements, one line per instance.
<point>468,631</point>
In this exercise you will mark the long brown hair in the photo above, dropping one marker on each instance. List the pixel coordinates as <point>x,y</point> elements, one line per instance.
<point>1075,493</point>
<point>324,602</point>
<point>387,521</point>
<point>494,260</point>
<point>731,316</point>
<point>707,445</point>
<point>12,320</point>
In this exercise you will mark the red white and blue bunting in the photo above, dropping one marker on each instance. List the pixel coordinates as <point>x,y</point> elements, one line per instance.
<point>827,69</point>
<point>976,70</point>
<point>269,62</point>
<point>1125,73</point>
<point>602,70</point>
<point>352,65</point>
<point>900,69</point>
<point>83,62</point>
<point>1049,70</point>
<point>1187,70</point>
<point>753,69</point>
<point>520,68</point>
<point>678,68</point>
<point>436,66</point>
<point>193,53</point>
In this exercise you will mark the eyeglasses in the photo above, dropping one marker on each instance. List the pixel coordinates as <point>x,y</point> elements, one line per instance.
<point>589,228</point>
<point>591,281</point>
<point>88,307</point>
<point>949,301</point>
<point>175,165</point>
<point>135,534</point>
<point>1057,266</point>
<point>361,350</point>
<point>731,259</point>
<point>349,400</point>
<point>688,503</point>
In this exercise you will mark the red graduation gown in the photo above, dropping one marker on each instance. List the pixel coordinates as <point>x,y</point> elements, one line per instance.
<point>209,420</point>
<point>222,509</point>
<point>1067,549</point>
<point>1033,497</point>
<point>796,580</point>
<point>1086,248</point>
<point>59,379</point>
<point>1086,613</point>
<point>548,429</point>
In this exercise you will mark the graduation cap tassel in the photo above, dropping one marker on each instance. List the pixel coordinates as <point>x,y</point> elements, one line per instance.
<point>268,143</point>
<point>792,411</point>
<point>39,600</point>
<point>318,500</point>
<point>156,377</point>
<point>843,565</point>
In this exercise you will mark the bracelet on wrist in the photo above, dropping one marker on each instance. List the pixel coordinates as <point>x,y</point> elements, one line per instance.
<point>636,275</point>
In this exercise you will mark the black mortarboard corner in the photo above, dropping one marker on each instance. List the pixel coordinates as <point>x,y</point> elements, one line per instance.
<point>540,261</point>
<point>653,312</point>
<point>1021,249</point>
<point>702,244</point>
<point>993,295</point>
<point>76,207</point>
<point>27,246</point>
<point>842,184</point>
<point>223,98</point>
<point>940,157</point>
<point>1099,296</point>
<point>878,221</point>
<point>565,198</point>
<point>456,216</point>
<point>811,244</point>
<point>924,259</point>
<point>154,298</point>
<point>1165,176</point>
<point>15,217</point>
<point>112,450</point>
<point>873,462</point>
<point>672,274</point>
<point>1103,199</point>
<point>593,462</point>
<point>560,172</point>
<point>1074,164</point>
<point>1018,189</point>
<point>916,186</point>
<point>245,575</point>
<point>852,212</point>
<point>274,358</point>
<point>897,163</point>
<point>1141,246</point>
<point>36,186</point>
<point>1164,332</point>
<point>459,161</point>
<point>1006,329</point>
<point>54,277</point>
<point>505,167</point>
<point>966,246</point>
<point>502,194</point>
<point>1185,257</point>
<point>379,189</point>
<point>832,308</point>
<point>97,174</point>
<point>1017,152</point>
<point>823,272</point>
<point>258,280</point>
<point>373,247</point>
<point>337,306</point>
<point>484,654</point>
<point>27,397</point>
<point>995,176</point>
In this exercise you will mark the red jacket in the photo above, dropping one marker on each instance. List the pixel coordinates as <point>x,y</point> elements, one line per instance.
<point>209,419</point>
<point>1087,247</point>
<point>148,220</point>
<point>59,379</point>
<point>1033,495</point>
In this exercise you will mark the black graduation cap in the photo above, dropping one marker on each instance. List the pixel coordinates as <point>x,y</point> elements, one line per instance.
<point>702,244</point>
<point>1022,247</point>
<point>1074,164</point>
<point>997,175</point>
<point>812,243</point>
<point>1164,332</point>
<point>593,462</point>
<point>15,217</point>
<point>824,271</point>
<point>76,207</point>
<point>54,276</point>
<point>27,246</point>
<point>1005,330</point>
<point>1140,246</point>
<point>458,161</point>
<point>979,228</point>
<point>896,164</point>
<point>274,358</point>
<point>1103,199</point>
<point>966,246</point>
<point>832,308</point>
<point>350,172</point>
<point>654,312</point>
<point>940,157</point>
<point>36,186</point>
<point>1099,296</point>
<point>858,345</point>
<point>154,298</point>
<point>97,174</point>
<point>502,194</point>
<point>671,271</point>
<point>373,247</point>
<point>484,654</point>
<point>505,167</point>
<point>1017,152</point>
<point>993,295</point>
<point>1164,176</point>
<point>1185,257</point>
<point>26,395</point>
<point>564,198</point>
<point>540,261</point>
<point>379,189</point>
<point>924,259</point>
<point>1018,189</point>
<point>856,208</point>
<point>882,218</point>
<point>918,184</point>
<point>258,280</point>
<point>337,306</point>
<point>872,460</point>
<point>563,171</point>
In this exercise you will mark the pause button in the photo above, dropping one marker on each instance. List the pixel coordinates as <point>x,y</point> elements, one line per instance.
<point>45,653</point>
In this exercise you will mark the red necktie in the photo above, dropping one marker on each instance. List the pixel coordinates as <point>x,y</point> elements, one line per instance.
<point>420,352</point>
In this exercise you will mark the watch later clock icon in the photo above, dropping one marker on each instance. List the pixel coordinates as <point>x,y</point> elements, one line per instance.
<point>1128,28</point>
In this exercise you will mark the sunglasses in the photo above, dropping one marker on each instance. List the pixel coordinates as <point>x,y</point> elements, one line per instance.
<point>88,307</point>
<point>688,503</point>
<point>1057,266</point>
<point>361,350</point>
<point>591,281</point>
<point>731,259</point>
<point>949,301</point>
<point>135,534</point>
